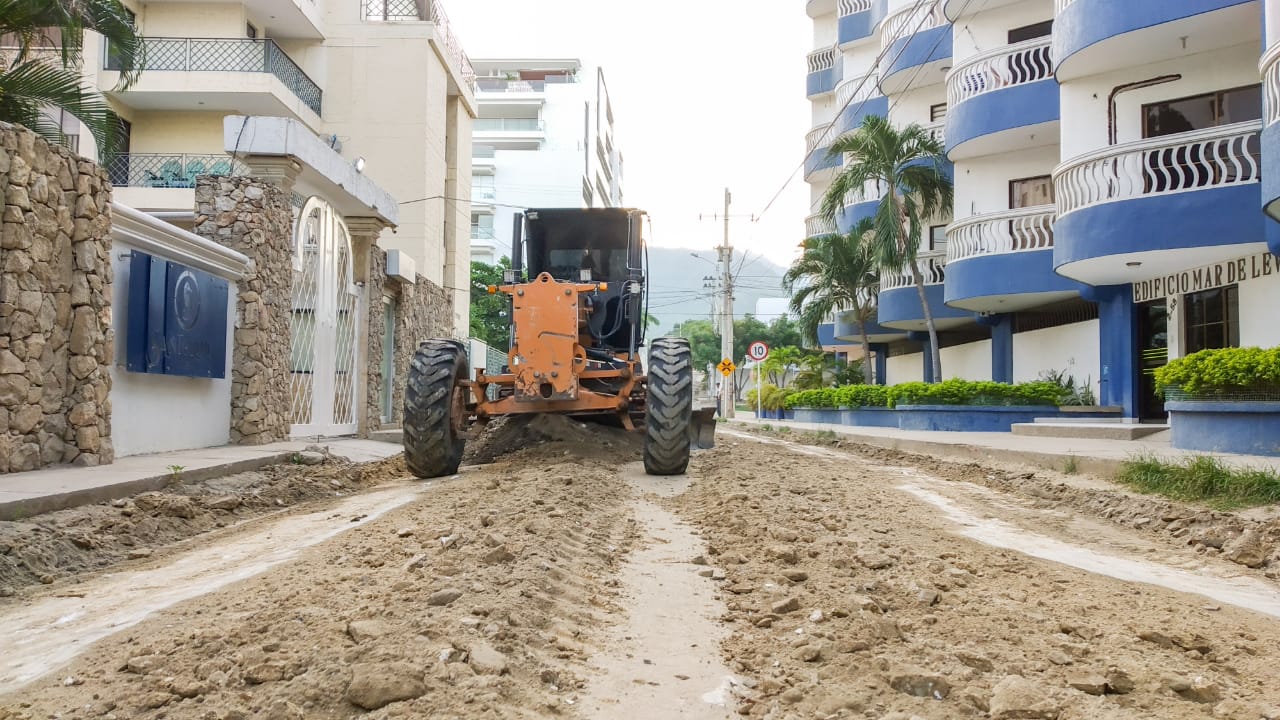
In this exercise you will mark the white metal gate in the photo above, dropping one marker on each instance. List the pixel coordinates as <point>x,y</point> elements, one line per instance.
<point>323,326</point>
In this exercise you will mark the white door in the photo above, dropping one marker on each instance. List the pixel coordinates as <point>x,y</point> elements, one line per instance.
<point>324,325</point>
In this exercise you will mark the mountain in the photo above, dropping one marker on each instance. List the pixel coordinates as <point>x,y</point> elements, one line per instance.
<point>676,281</point>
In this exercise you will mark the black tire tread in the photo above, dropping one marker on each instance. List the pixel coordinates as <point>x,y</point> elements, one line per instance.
<point>669,408</point>
<point>431,449</point>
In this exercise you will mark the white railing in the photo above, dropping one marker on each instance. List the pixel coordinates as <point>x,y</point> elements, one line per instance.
<point>1009,231</point>
<point>1063,5</point>
<point>857,90</point>
<point>932,266</point>
<point>815,137</point>
<point>817,225</point>
<point>937,131</point>
<point>870,191</point>
<point>849,7</point>
<point>1199,160</point>
<point>823,59</point>
<point>1270,71</point>
<point>911,20</point>
<point>1024,62</point>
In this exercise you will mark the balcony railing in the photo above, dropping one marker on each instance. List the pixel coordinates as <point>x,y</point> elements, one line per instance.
<point>815,225</point>
<point>849,7</point>
<point>817,137</point>
<point>168,170</point>
<point>871,191</point>
<point>1199,160</point>
<point>932,266</point>
<point>424,11</point>
<point>1063,5</point>
<point>1010,231</point>
<point>1019,64</point>
<point>937,131</point>
<point>857,90</point>
<point>228,55</point>
<point>823,59</point>
<point>483,193</point>
<point>507,125</point>
<point>911,20</point>
<point>480,232</point>
<point>1270,67</point>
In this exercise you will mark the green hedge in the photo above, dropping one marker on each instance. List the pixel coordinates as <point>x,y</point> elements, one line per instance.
<point>1230,372</point>
<point>949,392</point>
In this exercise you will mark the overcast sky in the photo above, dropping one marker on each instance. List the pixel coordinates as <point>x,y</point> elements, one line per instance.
<point>706,94</point>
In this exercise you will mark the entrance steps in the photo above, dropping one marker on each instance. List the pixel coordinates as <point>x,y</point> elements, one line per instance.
<point>1090,428</point>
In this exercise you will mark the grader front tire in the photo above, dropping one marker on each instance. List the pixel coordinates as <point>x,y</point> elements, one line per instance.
<point>435,409</point>
<point>669,407</point>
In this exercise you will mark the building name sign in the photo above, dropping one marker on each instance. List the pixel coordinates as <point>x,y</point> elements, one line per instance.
<point>1208,277</point>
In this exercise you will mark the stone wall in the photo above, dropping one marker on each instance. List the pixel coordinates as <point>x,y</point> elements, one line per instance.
<point>55,306</point>
<point>253,217</point>
<point>424,310</point>
<point>376,282</point>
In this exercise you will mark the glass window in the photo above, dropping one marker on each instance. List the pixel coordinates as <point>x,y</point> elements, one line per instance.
<point>1031,192</point>
<point>937,112</point>
<point>1211,319</point>
<point>1029,32</point>
<point>1202,111</point>
<point>937,237</point>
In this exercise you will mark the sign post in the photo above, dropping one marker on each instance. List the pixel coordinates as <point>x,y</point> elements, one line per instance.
<point>757,352</point>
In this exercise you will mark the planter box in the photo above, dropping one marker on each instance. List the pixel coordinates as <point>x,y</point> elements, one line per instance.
<point>830,416</point>
<point>870,417</point>
<point>970,418</point>
<point>1249,428</point>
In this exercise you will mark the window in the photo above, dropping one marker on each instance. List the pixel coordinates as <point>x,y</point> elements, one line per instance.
<point>250,31</point>
<point>1211,319</point>
<point>1030,192</point>
<point>1202,111</point>
<point>1030,32</point>
<point>937,112</point>
<point>937,237</point>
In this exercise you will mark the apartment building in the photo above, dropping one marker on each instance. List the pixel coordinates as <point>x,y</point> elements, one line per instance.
<point>544,137</point>
<point>1110,164</point>
<point>383,82</point>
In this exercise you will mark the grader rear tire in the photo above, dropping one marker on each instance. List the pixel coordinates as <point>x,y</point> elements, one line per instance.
<point>435,409</point>
<point>669,407</point>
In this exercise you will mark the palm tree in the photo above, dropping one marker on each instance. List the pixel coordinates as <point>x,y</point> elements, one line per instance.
<point>908,163</point>
<point>836,272</point>
<point>33,80</point>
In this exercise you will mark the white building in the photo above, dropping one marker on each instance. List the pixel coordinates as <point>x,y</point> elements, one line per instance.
<point>1110,164</point>
<point>543,138</point>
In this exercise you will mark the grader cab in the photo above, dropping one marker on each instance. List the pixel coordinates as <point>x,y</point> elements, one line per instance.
<point>578,298</point>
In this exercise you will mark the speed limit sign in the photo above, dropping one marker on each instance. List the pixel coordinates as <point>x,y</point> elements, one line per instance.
<point>757,351</point>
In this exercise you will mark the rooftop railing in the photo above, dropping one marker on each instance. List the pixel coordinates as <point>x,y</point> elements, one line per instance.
<point>424,11</point>
<point>911,20</point>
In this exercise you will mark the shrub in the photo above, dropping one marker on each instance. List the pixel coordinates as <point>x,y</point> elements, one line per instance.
<point>824,398</point>
<point>862,396</point>
<point>1071,393</point>
<point>1224,373</point>
<point>974,392</point>
<point>771,397</point>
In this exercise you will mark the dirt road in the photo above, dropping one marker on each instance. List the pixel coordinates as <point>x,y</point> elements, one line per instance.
<point>777,580</point>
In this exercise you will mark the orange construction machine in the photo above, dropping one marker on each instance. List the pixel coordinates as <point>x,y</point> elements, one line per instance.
<point>578,299</point>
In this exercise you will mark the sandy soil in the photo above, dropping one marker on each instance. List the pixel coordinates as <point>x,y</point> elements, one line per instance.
<point>777,580</point>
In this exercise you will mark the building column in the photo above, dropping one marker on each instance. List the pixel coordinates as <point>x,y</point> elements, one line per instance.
<point>922,337</point>
<point>1001,345</point>
<point>369,271</point>
<point>881,352</point>
<point>1117,346</point>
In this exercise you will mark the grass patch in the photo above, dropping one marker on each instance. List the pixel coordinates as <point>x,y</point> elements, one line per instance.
<point>1071,467</point>
<point>1202,478</point>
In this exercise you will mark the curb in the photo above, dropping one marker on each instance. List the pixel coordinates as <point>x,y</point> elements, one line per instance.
<point>28,507</point>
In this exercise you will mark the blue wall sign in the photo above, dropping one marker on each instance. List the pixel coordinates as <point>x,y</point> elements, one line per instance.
<point>177,319</point>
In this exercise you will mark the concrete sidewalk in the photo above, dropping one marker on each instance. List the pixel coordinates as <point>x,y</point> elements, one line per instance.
<point>1093,456</point>
<point>40,491</point>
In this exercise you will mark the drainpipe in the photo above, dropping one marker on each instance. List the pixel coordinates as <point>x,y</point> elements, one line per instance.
<point>1111,99</point>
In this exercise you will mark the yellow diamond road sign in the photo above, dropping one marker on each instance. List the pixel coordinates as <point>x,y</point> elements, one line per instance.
<point>726,367</point>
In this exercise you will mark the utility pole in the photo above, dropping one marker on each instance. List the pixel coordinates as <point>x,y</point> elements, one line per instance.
<point>727,390</point>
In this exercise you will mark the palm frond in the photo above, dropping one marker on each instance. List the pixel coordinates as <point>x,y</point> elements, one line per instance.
<point>28,88</point>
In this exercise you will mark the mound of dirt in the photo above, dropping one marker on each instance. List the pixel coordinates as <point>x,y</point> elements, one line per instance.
<point>57,545</point>
<point>588,439</point>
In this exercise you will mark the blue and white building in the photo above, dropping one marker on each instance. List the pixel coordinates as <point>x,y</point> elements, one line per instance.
<point>1115,164</point>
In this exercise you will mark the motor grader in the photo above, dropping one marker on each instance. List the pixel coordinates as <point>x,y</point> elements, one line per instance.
<point>577,301</point>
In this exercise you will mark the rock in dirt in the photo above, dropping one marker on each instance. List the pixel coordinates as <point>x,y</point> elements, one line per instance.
<point>310,457</point>
<point>1249,549</point>
<point>223,502</point>
<point>362,630</point>
<point>485,660</point>
<point>1119,682</point>
<point>374,685</point>
<point>1091,683</point>
<point>875,560</point>
<point>918,682</point>
<point>500,554</point>
<point>444,597</point>
<point>785,606</point>
<point>1197,689</point>
<point>1017,698</point>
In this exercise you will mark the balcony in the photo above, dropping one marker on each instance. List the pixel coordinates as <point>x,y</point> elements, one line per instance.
<point>1271,142</point>
<point>242,75</point>
<point>817,158</point>
<point>858,205</point>
<point>1003,100</point>
<point>846,330</point>
<point>900,300</point>
<point>825,71</point>
<point>858,20</point>
<point>509,133</point>
<point>1143,209</point>
<point>916,46</point>
<point>483,195</point>
<point>400,11</point>
<point>816,225</point>
<point>859,97</point>
<point>1003,261</point>
<point>1092,37</point>
<point>165,181</point>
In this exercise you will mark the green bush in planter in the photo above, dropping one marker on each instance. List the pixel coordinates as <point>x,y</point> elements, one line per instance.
<point>862,396</point>
<point>824,398</point>
<point>1240,373</point>
<point>971,392</point>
